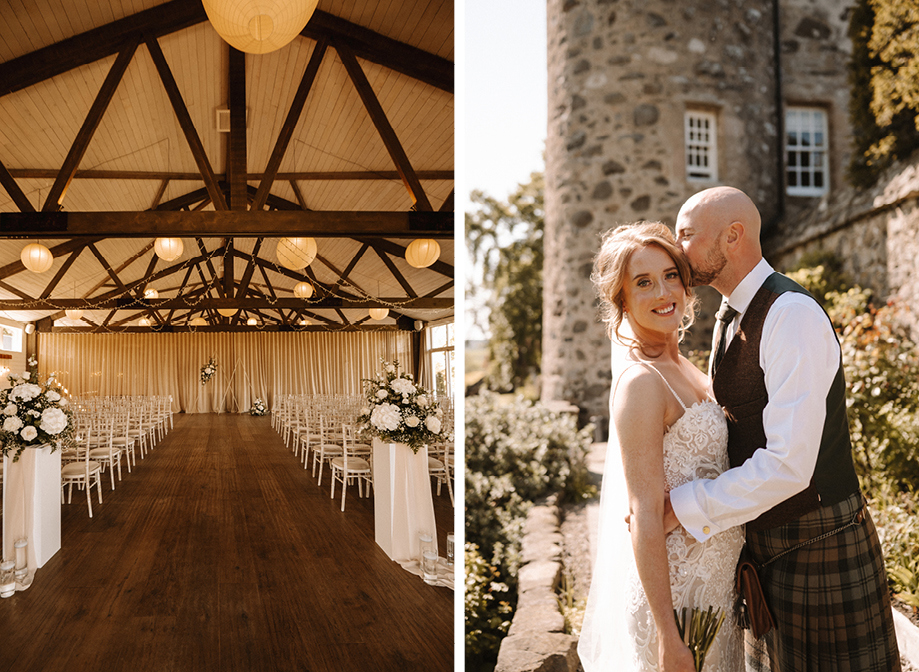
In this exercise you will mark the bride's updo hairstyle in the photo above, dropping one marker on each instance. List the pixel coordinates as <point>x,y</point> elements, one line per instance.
<point>610,265</point>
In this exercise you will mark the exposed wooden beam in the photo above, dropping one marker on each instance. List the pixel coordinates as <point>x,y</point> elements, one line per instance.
<point>397,250</point>
<point>209,303</point>
<point>159,194</point>
<point>186,123</point>
<point>385,51</point>
<point>351,264</point>
<point>299,194</point>
<point>96,44</point>
<point>236,140</point>
<point>108,268</point>
<point>154,223</point>
<point>243,286</point>
<point>61,271</point>
<point>15,191</point>
<point>210,267</point>
<point>447,205</point>
<point>290,123</point>
<point>88,129</point>
<point>308,176</point>
<point>228,271</point>
<point>396,273</point>
<point>58,250</point>
<point>384,128</point>
<point>221,328</point>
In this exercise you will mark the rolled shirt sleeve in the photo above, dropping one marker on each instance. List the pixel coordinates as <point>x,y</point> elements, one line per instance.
<point>800,355</point>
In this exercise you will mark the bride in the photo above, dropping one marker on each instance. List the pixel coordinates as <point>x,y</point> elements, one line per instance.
<point>668,431</point>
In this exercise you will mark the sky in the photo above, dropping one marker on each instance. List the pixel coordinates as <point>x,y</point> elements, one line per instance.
<point>504,100</point>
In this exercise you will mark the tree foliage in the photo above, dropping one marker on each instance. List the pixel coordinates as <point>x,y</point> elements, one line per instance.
<point>506,238</point>
<point>884,85</point>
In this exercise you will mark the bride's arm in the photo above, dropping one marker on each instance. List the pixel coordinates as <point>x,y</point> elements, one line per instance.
<point>638,411</point>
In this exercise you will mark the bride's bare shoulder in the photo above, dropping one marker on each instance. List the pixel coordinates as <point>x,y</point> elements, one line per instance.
<point>637,386</point>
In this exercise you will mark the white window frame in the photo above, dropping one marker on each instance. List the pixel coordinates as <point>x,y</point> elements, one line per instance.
<point>14,338</point>
<point>451,360</point>
<point>806,151</point>
<point>701,136</point>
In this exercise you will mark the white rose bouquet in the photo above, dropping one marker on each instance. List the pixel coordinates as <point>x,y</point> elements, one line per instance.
<point>33,413</point>
<point>399,410</point>
<point>258,408</point>
<point>208,370</point>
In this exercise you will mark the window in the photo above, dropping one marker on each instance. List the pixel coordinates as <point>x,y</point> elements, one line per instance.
<point>806,151</point>
<point>440,358</point>
<point>10,339</point>
<point>701,146</point>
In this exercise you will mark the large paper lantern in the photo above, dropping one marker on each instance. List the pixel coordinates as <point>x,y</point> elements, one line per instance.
<point>296,253</point>
<point>228,312</point>
<point>143,322</point>
<point>168,249</point>
<point>303,290</point>
<point>252,322</point>
<point>73,313</point>
<point>198,322</point>
<point>304,322</point>
<point>151,294</point>
<point>378,313</point>
<point>259,26</point>
<point>36,257</point>
<point>422,253</point>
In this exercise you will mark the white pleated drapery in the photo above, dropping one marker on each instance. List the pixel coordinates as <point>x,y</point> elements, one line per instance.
<point>250,365</point>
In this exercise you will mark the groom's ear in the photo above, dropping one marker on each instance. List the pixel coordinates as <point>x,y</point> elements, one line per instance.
<point>735,233</point>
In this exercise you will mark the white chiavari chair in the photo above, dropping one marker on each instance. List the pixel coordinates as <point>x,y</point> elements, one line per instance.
<point>351,465</point>
<point>83,471</point>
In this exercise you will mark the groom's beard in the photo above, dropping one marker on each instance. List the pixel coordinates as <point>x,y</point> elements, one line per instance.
<point>710,268</point>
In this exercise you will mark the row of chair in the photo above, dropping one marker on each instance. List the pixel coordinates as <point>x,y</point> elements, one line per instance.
<point>108,429</point>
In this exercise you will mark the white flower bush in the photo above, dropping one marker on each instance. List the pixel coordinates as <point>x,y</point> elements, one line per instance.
<point>34,413</point>
<point>398,410</point>
<point>258,408</point>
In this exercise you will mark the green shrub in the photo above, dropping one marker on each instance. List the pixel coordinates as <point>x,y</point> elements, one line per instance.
<point>517,452</point>
<point>487,615</point>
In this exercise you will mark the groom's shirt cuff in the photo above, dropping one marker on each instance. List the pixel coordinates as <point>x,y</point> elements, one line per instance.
<point>684,502</point>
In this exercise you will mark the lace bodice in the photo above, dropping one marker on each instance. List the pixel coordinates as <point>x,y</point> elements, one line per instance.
<point>701,574</point>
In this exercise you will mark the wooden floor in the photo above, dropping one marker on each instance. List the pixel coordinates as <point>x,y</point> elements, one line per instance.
<point>220,553</point>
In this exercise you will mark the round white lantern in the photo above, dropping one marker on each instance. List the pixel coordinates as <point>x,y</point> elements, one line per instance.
<point>378,313</point>
<point>422,253</point>
<point>168,249</point>
<point>304,322</point>
<point>252,322</point>
<point>36,257</point>
<point>228,312</point>
<point>198,322</point>
<point>73,313</point>
<point>143,322</point>
<point>259,26</point>
<point>296,253</point>
<point>151,294</point>
<point>303,290</point>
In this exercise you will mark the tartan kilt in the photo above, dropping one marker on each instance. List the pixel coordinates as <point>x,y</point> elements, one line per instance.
<point>829,599</point>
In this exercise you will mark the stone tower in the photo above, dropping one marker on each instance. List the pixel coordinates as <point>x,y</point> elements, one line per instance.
<point>635,88</point>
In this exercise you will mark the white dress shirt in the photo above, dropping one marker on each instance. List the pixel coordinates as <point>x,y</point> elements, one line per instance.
<point>800,354</point>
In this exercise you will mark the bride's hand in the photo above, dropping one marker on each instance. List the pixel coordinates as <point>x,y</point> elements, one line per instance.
<point>674,655</point>
<point>670,520</point>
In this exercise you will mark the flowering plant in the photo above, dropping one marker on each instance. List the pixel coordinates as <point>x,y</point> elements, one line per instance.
<point>33,413</point>
<point>398,410</point>
<point>258,408</point>
<point>208,370</point>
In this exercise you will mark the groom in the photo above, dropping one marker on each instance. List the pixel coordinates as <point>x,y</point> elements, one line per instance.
<point>777,370</point>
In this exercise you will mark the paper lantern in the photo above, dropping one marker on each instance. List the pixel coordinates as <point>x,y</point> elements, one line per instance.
<point>228,312</point>
<point>304,322</point>
<point>36,257</point>
<point>303,290</point>
<point>168,249</point>
<point>198,322</point>
<point>252,322</point>
<point>143,322</point>
<point>422,253</point>
<point>151,294</point>
<point>378,313</point>
<point>259,26</point>
<point>296,253</point>
<point>73,313</point>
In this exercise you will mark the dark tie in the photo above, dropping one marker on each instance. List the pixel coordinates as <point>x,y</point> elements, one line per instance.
<point>724,317</point>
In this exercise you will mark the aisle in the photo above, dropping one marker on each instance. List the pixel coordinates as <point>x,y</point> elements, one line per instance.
<point>220,553</point>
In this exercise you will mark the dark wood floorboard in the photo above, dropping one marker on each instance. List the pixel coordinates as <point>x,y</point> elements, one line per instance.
<point>220,553</point>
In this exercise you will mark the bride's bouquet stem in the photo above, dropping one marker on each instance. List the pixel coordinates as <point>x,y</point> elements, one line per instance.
<point>699,631</point>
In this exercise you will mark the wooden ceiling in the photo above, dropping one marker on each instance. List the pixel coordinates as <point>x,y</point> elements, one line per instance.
<point>126,120</point>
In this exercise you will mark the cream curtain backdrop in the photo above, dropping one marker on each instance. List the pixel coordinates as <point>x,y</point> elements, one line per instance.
<point>249,365</point>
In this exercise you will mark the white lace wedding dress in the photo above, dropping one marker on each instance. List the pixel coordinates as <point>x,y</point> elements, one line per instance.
<point>701,574</point>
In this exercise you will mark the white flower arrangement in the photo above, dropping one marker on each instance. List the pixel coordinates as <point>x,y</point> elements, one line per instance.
<point>33,414</point>
<point>208,370</point>
<point>399,410</point>
<point>258,408</point>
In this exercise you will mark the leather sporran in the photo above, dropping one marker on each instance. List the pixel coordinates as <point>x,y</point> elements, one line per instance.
<point>756,614</point>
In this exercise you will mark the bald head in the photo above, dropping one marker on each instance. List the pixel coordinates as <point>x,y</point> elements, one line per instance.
<point>719,230</point>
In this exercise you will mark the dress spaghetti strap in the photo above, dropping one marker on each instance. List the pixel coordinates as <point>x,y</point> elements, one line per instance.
<point>653,368</point>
